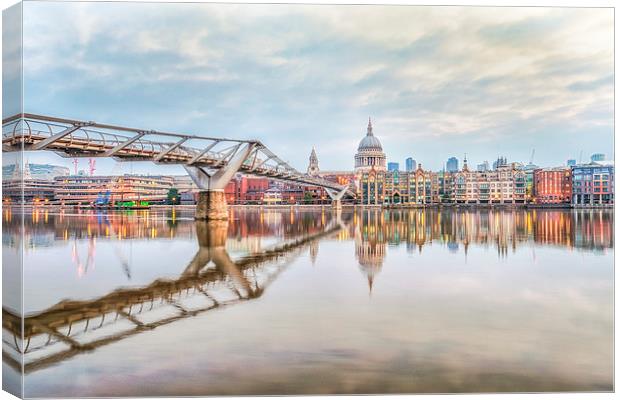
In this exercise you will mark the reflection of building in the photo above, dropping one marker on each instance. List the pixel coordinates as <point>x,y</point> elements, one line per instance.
<point>370,243</point>
<point>314,251</point>
<point>552,185</point>
<point>503,229</point>
<point>593,183</point>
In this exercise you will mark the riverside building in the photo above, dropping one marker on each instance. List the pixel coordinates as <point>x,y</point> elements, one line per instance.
<point>552,185</point>
<point>505,184</point>
<point>593,183</point>
<point>411,188</point>
<point>418,187</point>
<point>85,190</point>
<point>34,186</point>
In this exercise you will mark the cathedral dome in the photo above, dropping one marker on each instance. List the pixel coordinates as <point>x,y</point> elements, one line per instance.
<point>370,153</point>
<point>369,142</point>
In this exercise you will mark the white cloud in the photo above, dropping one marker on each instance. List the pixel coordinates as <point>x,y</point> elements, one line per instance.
<point>429,73</point>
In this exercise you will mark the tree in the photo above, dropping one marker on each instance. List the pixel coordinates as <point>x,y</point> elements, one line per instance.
<point>308,198</point>
<point>173,196</point>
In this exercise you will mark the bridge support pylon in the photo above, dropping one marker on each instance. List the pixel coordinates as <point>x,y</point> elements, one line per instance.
<point>336,197</point>
<point>211,203</point>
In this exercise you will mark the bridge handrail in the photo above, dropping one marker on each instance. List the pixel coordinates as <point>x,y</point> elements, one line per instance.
<point>104,140</point>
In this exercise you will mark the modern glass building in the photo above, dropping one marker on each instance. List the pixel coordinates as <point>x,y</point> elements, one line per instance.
<point>393,166</point>
<point>593,184</point>
<point>452,165</point>
<point>410,164</point>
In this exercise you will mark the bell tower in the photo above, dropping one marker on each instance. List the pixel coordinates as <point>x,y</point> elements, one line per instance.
<point>313,166</point>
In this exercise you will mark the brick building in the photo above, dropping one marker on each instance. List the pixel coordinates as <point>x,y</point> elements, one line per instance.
<point>552,185</point>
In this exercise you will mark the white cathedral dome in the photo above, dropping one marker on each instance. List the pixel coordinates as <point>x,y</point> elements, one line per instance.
<point>370,153</point>
<point>370,143</point>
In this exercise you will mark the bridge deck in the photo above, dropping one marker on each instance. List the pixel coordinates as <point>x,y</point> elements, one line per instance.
<point>73,138</point>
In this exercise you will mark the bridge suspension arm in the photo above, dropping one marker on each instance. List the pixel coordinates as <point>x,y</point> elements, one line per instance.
<point>169,149</point>
<point>124,144</point>
<point>46,142</point>
<point>74,138</point>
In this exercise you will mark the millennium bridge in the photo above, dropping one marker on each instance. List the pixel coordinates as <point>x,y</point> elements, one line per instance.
<point>211,280</point>
<point>211,162</point>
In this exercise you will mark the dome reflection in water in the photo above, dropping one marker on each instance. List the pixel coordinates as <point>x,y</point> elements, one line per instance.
<point>307,300</point>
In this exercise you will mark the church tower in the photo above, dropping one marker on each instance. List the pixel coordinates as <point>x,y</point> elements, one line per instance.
<point>313,166</point>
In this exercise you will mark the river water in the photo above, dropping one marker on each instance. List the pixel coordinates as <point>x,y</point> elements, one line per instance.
<point>310,301</point>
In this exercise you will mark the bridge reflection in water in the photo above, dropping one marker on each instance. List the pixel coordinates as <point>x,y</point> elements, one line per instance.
<point>213,279</point>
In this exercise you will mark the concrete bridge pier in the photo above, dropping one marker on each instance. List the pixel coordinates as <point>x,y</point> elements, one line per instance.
<point>211,205</point>
<point>211,198</point>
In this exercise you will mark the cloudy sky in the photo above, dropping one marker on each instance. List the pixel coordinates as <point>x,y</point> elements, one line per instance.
<point>437,81</point>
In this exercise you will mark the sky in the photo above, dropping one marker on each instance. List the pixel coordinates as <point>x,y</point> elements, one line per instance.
<point>436,81</point>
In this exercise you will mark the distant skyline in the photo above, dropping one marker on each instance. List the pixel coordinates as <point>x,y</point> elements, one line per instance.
<point>437,81</point>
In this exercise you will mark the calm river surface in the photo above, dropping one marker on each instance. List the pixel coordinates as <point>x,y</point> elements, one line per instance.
<point>307,301</point>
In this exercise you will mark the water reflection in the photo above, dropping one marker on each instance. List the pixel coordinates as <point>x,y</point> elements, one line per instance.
<point>427,313</point>
<point>504,230</point>
<point>211,280</point>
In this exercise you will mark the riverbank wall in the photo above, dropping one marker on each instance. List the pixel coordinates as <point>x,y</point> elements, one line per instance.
<point>191,207</point>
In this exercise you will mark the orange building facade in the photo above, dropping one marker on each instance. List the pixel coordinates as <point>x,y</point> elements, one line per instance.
<point>552,186</point>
